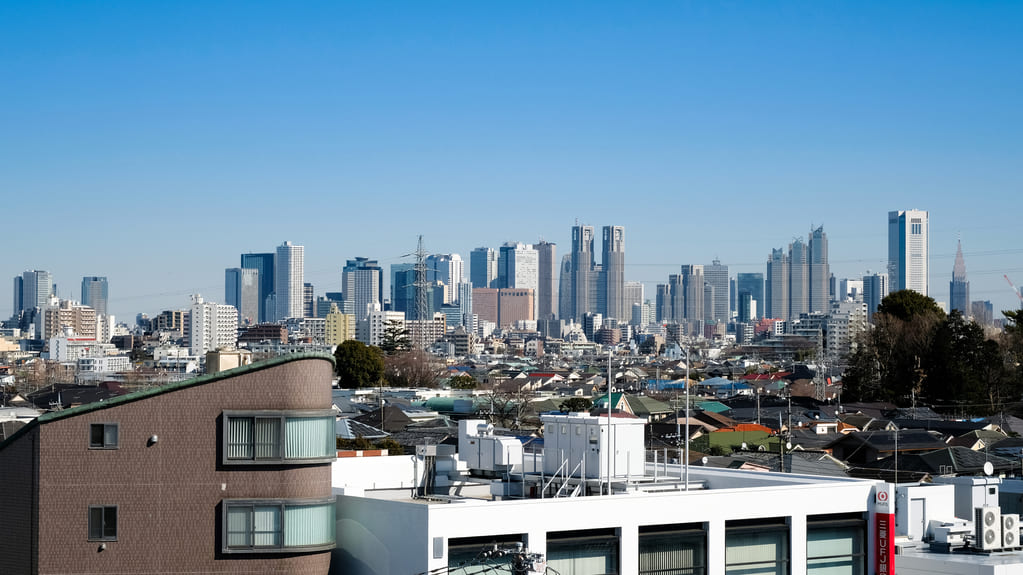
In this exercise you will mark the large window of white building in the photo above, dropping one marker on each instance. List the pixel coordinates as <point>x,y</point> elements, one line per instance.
<point>582,552</point>
<point>835,545</point>
<point>757,547</point>
<point>673,550</point>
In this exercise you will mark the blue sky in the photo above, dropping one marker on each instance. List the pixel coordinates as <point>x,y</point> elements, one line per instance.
<point>153,143</point>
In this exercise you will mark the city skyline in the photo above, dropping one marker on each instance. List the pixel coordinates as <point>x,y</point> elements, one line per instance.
<point>329,278</point>
<point>707,132</point>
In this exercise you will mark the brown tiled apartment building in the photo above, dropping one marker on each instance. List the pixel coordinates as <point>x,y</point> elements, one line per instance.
<point>226,473</point>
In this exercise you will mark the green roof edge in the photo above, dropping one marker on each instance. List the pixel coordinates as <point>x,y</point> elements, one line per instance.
<point>145,393</point>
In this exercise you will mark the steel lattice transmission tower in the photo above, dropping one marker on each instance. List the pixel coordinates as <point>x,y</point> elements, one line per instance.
<point>422,304</point>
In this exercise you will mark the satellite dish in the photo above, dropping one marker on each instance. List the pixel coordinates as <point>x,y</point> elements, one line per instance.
<point>744,446</point>
<point>761,448</point>
<point>705,460</point>
<point>988,468</point>
<point>788,445</point>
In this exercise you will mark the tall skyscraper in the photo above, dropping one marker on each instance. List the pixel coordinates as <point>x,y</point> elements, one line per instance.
<point>483,268</point>
<point>582,271</point>
<point>716,275</point>
<point>94,293</point>
<point>33,291</point>
<point>448,269</point>
<point>362,281</point>
<point>241,290</point>
<point>747,307</point>
<point>632,296</point>
<point>403,287</point>
<point>908,250</point>
<point>518,266</point>
<point>613,270</point>
<point>289,279</point>
<point>959,287</point>
<point>546,294</point>
<point>264,266</point>
<point>820,272</point>
<point>565,288</point>
<point>799,280</point>
<point>752,284</point>
<point>692,288</point>
<point>875,289</point>
<point>19,298</point>
<point>777,292</point>
<point>308,300</point>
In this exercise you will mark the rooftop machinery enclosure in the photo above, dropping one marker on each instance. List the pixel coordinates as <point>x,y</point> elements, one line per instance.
<point>577,444</point>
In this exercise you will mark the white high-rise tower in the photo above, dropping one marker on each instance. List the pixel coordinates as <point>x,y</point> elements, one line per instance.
<point>907,250</point>
<point>289,279</point>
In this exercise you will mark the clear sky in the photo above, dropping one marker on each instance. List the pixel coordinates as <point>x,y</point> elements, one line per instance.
<point>154,142</point>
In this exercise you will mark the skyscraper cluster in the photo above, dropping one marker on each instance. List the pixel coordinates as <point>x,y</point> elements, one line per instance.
<point>269,287</point>
<point>798,280</point>
<point>591,288</point>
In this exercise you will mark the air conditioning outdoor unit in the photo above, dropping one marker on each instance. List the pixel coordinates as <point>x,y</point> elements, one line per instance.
<point>1010,530</point>
<point>987,525</point>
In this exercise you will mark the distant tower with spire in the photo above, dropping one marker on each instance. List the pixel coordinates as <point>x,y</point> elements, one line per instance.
<point>959,287</point>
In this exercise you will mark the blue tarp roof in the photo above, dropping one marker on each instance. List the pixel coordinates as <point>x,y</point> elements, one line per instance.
<point>662,384</point>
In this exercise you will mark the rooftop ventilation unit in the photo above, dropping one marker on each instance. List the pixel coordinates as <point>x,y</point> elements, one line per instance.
<point>1010,530</point>
<point>987,525</point>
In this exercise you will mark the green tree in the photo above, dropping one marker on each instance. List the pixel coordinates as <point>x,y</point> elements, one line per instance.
<point>358,364</point>
<point>889,359</point>
<point>395,338</point>
<point>464,381</point>
<point>955,370</point>
<point>391,445</point>
<point>575,404</point>
<point>906,304</point>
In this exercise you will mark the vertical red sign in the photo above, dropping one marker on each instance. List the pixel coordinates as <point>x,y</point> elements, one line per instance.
<point>884,524</point>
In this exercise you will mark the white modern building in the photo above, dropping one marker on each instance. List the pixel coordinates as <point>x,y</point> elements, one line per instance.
<point>370,330</point>
<point>440,511</point>
<point>69,348</point>
<point>908,250</point>
<point>289,281</point>
<point>213,326</point>
<point>103,365</point>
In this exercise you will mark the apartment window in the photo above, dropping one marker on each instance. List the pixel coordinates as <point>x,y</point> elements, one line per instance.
<point>103,523</point>
<point>103,435</point>
<point>253,526</point>
<point>279,437</point>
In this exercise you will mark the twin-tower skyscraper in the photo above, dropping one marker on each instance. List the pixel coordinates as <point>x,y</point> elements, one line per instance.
<point>589,287</point>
